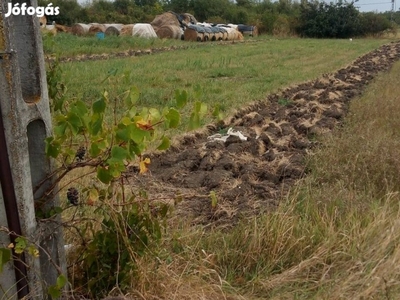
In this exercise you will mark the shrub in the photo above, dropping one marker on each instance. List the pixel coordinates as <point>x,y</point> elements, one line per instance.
<point>321,20</point>
<point>374,24</point>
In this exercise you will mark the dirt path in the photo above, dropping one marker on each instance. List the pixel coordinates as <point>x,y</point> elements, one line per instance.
<point>250,176</point>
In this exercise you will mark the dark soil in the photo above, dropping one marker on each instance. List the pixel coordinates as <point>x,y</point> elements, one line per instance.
<point>249,177</point>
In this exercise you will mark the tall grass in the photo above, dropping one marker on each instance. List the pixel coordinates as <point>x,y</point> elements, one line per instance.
<point>336,236</point>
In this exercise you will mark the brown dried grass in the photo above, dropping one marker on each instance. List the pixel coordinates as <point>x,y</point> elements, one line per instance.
<point>127,30</point>
<point>96,28</point>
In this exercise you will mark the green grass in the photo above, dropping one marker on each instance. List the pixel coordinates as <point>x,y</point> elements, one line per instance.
<point>231,75</point>
<point>68,45</point>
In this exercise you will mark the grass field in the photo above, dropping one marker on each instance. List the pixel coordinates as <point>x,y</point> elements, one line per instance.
<point>229,75</point>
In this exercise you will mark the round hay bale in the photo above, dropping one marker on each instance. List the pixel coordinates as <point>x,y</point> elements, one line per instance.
<point>96,28</point>
<point>239,36</point>
<point>43,21</point>
<point>144,30</point>
<point>62,28</point>
<point>188,18</point>
<point>167,18</point>
<point>191,34</point>
<point>169,32</point>
<point>113,29</point>
<point>127,30</point>
<point>80,29</point>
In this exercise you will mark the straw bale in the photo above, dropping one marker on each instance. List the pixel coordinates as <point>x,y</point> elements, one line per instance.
<point>96,28</point>
<point>80,29</point>
<point>43,21</point>
<point>144,30</point>
<point>189,18</point>
<point>167,18</point>
<point>62,28</point>
<point>127,30</point>
<point>169,32</point>
<point>190,34</point>
<point>113,29</point>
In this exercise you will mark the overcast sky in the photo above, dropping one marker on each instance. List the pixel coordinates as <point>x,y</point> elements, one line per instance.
<point>363,5</point>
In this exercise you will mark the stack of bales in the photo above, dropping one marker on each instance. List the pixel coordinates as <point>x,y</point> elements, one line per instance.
<point>204,32</point>
<point>167,26</point>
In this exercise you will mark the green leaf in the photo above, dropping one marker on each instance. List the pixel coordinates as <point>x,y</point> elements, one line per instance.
<point>200,108</point>
<point>61,281</point>
<point>118,152</point>
<point>96,124</point>
<point>58,103</point>
<point>53,147</point>
<point>173,118</point>
<point>137,149</point>
<point>111,72</point>
<point>155,115</point>
<point>94,150</point>
<point>194,121</point>
<point>123,134</point>
<point>74,121</point>
<point>138,135</point>
<point>132,97</point>
<point>181,98</point>
<point>115,167</point>
<point>99,106</point>
<point>132,112</point>
<point>104,175</point>
<point>79,108</point>
<point>217,113</point>
<point>60,128</point>
<point>20,245</point>
<point>54,291</point>
<point>165,143</point>
<point>5,257</point>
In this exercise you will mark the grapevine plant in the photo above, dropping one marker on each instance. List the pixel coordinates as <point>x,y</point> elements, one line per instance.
<point>93,145</point>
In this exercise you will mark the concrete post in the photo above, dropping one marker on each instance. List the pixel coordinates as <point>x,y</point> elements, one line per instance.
<point>25,112</point>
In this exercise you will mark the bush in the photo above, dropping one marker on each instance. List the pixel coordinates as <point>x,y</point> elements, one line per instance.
<point>374,24</point>
<point>282,26</point>
<point>321,20</point>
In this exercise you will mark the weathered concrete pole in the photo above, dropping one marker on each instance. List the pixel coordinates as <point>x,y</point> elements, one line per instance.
<point>26,119</point>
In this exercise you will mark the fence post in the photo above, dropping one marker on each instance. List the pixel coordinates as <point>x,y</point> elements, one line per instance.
<point>25,122</point>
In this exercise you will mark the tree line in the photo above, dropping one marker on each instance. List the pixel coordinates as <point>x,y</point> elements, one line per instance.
<point>283,17</point>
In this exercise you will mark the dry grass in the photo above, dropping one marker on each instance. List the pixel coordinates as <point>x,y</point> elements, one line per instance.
<point>335,237</point>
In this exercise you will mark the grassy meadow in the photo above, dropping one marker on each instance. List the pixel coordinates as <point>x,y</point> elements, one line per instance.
<point>230,75</point>
<point>336,236</point>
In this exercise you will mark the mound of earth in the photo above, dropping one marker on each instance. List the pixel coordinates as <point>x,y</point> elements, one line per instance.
<point>249,177</point>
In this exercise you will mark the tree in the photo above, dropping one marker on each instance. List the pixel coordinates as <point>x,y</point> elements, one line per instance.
<point>70,11</point>
<point>323,20</point>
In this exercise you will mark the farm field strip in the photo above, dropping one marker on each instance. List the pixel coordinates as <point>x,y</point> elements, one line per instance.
<point>231,75</point>
<point>250,177</point>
